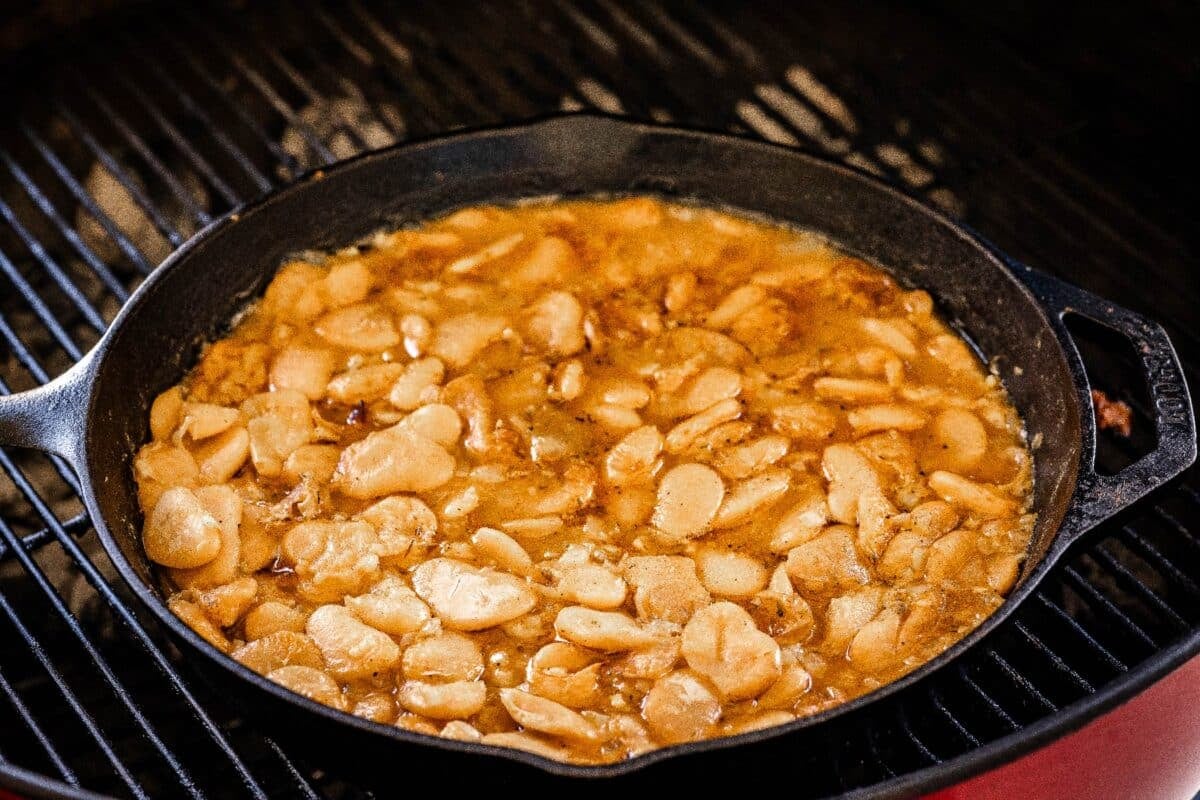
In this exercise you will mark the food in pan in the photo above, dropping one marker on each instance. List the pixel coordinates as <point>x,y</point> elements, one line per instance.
<point>586,478</point>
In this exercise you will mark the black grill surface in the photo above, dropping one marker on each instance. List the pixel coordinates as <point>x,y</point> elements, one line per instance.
<point>1057,133</point>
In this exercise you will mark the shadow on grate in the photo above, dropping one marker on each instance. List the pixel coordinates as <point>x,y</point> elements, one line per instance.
<point>146,126</point>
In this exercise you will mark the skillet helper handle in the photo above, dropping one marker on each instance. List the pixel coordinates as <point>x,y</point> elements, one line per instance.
<point>49,418</point>
<point>1174,421</point>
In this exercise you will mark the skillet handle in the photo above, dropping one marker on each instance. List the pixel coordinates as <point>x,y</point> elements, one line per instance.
<point>1099,496</point>
<point>51,417</point>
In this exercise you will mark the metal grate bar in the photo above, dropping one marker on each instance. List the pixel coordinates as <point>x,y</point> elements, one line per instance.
<point>264,88</point>
<point>1054,658</point>
<point>483,58</point>
<point>1079,631</point>
<point>97,581</point>
<point>101,270</point>
<point>1093,596</point>
<point>1176,526</point>
<point>97,267</point>
<point>76,525</point>
<point>1144,548</point>
<point>282,157</point>
<point>422,108</point>
<point>303,784</point>
<point>182,145</point>
<point>435,65</point>
<point>601,53</point>
<point>120,692</point>
<point>1125,577</point>
<point>85,718</point>
<point>955,722</point>
<point>988,701</point>
<point>44,744</point>
<point>60,278</point>
<point>1020,681</point>
<point>916,741</point>
<point>193,108</point>
<point>169,231</point>
<point>297,80</point>
<point>147,155</point>
<point>873,745</point>
<point>38,305</point>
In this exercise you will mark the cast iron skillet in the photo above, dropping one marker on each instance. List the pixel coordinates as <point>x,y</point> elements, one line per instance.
<point>95,415</point>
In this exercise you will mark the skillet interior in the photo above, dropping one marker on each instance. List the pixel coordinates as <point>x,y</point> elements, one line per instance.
<point>190,300</point>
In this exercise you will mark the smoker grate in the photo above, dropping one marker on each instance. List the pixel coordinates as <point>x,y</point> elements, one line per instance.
<point>136,130</point>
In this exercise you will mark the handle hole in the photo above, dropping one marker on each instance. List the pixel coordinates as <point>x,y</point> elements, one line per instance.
<point>1113,368</point>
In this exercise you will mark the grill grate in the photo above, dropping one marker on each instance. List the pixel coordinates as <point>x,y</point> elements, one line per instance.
<point>147,126</point>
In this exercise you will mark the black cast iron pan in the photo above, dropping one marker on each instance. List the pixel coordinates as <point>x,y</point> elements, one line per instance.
<point>95,415</point>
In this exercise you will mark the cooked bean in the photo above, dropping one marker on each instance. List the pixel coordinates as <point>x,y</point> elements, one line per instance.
<point>411,387</point>
<point>885,417</point>
<point>460,731</point>
<point>225,604</point>
<point>437,422</point>
<point>220,457</point>
<point>977,497</point>
<point>392,460</point>
<point>459,339</point>
<point>277,650</point>
<point>203,420</point>
<point>722,643</point>
<point>350,648</point>
<point>273,616</point>
<point>226,507</point>
<point>180,532</point>
<point>166,412</point>
<point>827,562</point>
<point>401,524</point>
<point>852,390</point>
<point>752,496</point>
<point>497,249</point>
<point>457,700</point>
<point>635,457</point>
<point>805,422</point>
<point>160,466</point>
<point>546,716</point>
<point>566,674</point>
<point>711,387</point>
<point>442,658</point>
<point>363,327</point>
<point>593,586</point>
<point>730,574</point>
<point>364,384</point>
<point>332,559</point>
<point>504,550</point>
<point>957,441</point>
<point>747,459</point>
<point>666,587</point>
<point>390,606</point>
<point>303,369</point>
<point>681,708</point>
<point>893,334</point>
<point>682,435</point>
<point>601,630</point>
<point>470,599</point>
<point>568,380</point>
<point>736,303</point>
<point>556,323</point>
<point>311,683</point>
<point>688,498</point>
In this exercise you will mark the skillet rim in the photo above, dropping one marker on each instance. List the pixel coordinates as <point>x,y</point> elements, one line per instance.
<point>143,590</point>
